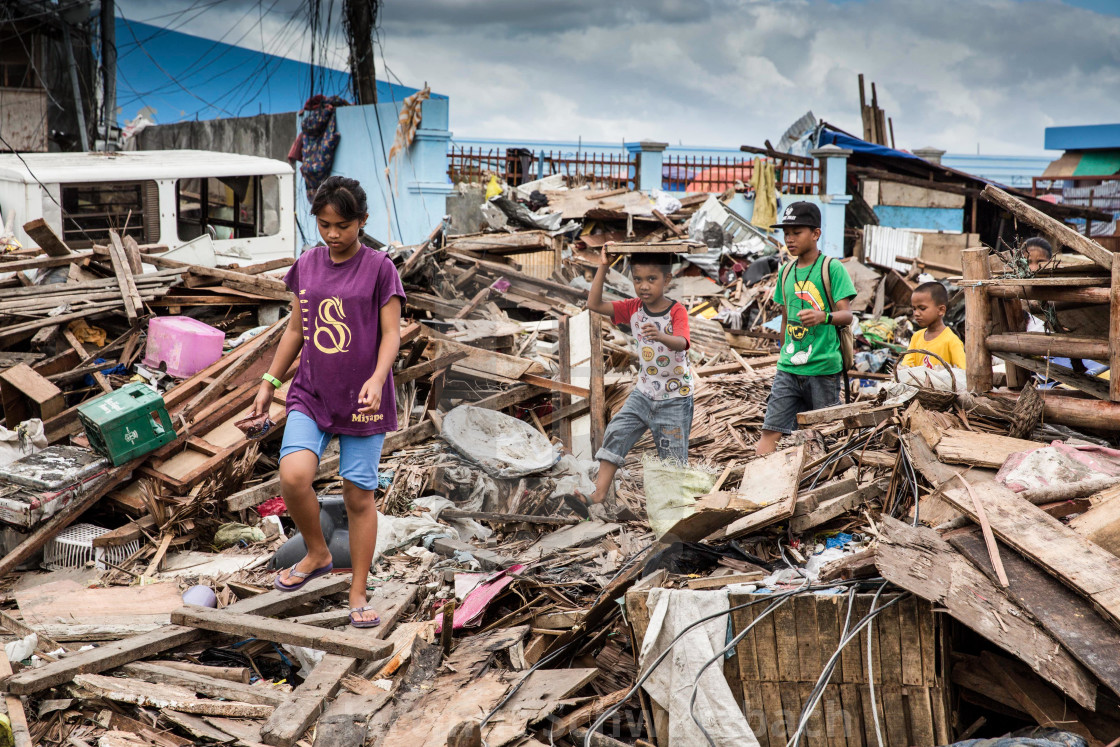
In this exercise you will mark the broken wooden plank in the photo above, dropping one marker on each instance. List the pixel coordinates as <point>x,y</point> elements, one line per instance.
<point>210,686</point>
<point>1084,633</point>
<point>171,697</point>
<point>1101,523</point>
<point>423,369</point>
<point>838,506</point>
<point>660,247</point>
<point>43,235</point>
<point>540,694</point>
<point>770,481</point>
<point>121,652</point>
<point>711,513</point>
<point>1047,707</point>
<point>958,446</point>
<point>1087,569</point>
<point>133,306</point>
<point>809,500</point>
<point>294,716</point>
<point>918,560</point>
<point>280,631</point>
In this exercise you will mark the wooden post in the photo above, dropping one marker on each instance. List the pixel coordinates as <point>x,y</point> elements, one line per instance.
<point>565,351</point>
<point>977,322</point>
<point>1014,322</point>
<point>598,397</point>
<point>1114,335</point>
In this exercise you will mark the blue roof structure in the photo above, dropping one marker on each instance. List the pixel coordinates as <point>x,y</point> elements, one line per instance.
<point>1083,137</point>
<point>184,77</point>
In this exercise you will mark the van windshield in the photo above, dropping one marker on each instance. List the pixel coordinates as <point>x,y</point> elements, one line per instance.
<point>228,207</point>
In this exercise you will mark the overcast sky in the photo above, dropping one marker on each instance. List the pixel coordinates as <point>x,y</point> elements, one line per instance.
<point>954,74</point>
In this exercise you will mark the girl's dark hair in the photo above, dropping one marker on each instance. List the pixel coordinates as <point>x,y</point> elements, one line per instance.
<point>345,195</point>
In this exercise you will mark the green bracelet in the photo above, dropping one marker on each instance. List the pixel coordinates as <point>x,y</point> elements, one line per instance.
<point>828,317</point>
<point>273,380</point>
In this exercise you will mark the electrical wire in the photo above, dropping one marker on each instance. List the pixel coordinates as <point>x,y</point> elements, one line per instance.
<point>817,693</point>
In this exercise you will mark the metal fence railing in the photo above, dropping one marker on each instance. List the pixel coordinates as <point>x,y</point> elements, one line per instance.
<point>1098,192</point>
<point>719,173</point>
<point>519,165</point>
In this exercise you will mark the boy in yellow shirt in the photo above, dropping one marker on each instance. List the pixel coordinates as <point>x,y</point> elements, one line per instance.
<point>929,301</point>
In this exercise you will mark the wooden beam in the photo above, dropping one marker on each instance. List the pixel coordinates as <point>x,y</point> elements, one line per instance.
<point>597,398</point>
<point>1039,343</point>
<point>41,262</point>
<point>291,719</point>
<point>1086,635</point>
<point>133,306</point>
<point>1114,334</point>
<point>213,687</point>
<point>978,322</point>
<point>1050,226</point>
<point>554,385</point>
<point>46,238</point>
<point>1079,564</point>
<point>280,631</point>
<point>1080,296</point>
<point>1083,382</point>
<point>423,369</point>
<point>122,652</point>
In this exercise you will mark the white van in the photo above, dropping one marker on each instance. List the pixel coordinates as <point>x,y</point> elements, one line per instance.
<point>245,204</point>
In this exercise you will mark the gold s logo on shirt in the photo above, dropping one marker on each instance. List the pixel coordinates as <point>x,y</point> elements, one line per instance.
<point>331,328</point>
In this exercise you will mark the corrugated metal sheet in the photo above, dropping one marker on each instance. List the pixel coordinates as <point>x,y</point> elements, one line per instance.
<point>538,264</point>
<point>881,245</point>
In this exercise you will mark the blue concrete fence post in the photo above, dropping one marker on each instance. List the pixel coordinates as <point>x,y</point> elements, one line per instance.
<point>650,156</point>
<point>833,164</point>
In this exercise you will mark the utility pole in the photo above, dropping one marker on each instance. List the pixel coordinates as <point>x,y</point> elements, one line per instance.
<point>77,90</point>
<point>359,22</point>
<point>109,66</point>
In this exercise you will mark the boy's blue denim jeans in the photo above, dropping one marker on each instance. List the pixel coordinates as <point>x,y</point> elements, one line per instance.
<point>668,420</point>
<point>793,394</point>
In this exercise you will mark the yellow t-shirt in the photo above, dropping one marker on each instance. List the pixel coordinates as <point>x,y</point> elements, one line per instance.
<point>946,344</point>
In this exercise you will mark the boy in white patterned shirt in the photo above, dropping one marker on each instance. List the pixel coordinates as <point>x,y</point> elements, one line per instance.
<point>662,398</point>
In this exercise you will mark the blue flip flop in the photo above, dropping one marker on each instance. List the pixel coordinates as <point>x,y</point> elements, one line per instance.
<point>359,623</point>
<point>304,577</point>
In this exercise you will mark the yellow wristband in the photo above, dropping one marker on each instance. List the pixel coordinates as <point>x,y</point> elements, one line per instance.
<point>273,380</point>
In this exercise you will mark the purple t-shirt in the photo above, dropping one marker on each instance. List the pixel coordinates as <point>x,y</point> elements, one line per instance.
<point>340,305</point>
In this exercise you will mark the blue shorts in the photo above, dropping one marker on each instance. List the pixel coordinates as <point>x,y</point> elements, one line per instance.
<point>360,455</point>
<point>668,420</point>
<point>793,393</point>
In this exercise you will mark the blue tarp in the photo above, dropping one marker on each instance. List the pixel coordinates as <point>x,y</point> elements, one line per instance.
<point>842,140</point>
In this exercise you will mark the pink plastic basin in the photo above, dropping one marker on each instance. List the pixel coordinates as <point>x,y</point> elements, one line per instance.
<point>182,346</point>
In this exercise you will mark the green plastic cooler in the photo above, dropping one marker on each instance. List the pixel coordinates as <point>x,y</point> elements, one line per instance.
<point>126,423</point>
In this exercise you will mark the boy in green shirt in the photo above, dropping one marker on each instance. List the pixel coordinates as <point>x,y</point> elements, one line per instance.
<point>810,363</point>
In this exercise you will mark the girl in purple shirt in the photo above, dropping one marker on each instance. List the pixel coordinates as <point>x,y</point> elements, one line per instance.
<point>345,328</point>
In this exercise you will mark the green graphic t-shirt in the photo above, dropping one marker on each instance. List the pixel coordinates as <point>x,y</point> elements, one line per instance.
<point>811,351</point>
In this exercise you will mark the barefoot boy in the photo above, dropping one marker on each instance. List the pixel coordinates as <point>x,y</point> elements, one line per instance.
<point>662,398</point>
<point>929,301</point>
<point>810,363</point>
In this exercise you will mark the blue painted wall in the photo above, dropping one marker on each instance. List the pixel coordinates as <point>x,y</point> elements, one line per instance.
<point>1083,137</point>
<point>186,77</point>
<point>932,219</point>
<point>406,205</point>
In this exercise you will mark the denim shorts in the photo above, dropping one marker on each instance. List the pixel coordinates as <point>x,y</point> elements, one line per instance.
<point>794,393</point>
<point>359,456</point>
<point>669,420</point>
